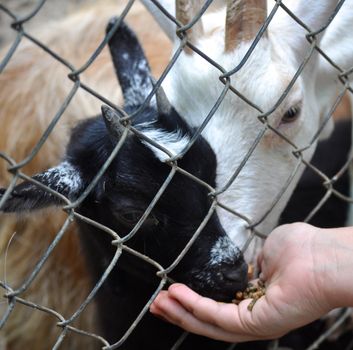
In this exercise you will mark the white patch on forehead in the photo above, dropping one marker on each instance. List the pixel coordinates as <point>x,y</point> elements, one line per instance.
<point>223,250</point>
<point>174,142</point>
<point>64,177</point>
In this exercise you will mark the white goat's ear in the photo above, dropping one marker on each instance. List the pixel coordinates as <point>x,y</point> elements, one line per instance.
<point>164,22</point>
<point>27,196</point>
<point>327,130</point>
<point>314,14</point>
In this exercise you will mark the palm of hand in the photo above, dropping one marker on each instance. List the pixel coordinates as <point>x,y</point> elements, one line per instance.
<point>291,263</point>
<point>290,267</point>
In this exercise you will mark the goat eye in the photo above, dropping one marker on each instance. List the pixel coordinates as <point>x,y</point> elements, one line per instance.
<point>131,218</point>
<point>291,115</point>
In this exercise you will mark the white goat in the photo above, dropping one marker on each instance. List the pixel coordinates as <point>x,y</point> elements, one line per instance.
<point>193,86</point>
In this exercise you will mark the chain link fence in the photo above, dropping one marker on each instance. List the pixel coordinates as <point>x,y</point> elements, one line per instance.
<point>41,273</point>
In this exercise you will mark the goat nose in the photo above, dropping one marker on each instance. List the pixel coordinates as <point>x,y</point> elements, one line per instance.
<point>236,274</point>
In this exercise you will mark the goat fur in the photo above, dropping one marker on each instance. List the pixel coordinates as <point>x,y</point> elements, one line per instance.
<point>26,105</point>
<point>33,86</point>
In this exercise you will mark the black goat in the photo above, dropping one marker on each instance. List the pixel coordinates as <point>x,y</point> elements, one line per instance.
<point>213,266</point>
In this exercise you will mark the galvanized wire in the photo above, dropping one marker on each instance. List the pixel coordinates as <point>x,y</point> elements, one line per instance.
<point>14,296</point>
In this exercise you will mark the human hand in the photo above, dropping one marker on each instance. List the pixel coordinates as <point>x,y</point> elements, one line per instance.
<point>297,262</point>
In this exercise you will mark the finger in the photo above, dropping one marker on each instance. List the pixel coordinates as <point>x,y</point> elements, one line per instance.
<point>169,309</point>
<point>230,317</point>
<point>260,259</point>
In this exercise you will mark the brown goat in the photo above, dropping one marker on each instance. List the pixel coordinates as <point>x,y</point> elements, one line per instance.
<point>33,86</point>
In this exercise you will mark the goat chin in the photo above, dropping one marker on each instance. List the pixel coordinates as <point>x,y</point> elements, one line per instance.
<point>34,86</point>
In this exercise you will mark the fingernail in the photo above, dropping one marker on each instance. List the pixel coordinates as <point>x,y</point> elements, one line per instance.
<point>156,313</point>
<point>153,308</point>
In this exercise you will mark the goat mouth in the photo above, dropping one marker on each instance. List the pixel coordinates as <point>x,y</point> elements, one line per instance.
<point>216,285</point>
<point>225,292</point>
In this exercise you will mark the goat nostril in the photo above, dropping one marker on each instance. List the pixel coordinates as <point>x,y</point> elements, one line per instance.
<point>236,274</point>
<point>233,275</point>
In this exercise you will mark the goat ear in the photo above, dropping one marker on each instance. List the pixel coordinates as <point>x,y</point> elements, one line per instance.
<point>164,22</point>
<point>130,64</point>
<point>26,196</point>
<point>314,14</point>
<point>328,129</point>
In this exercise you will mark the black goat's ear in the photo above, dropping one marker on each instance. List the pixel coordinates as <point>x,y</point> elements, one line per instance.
<point>64,179</point>
<point>130,64</point>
